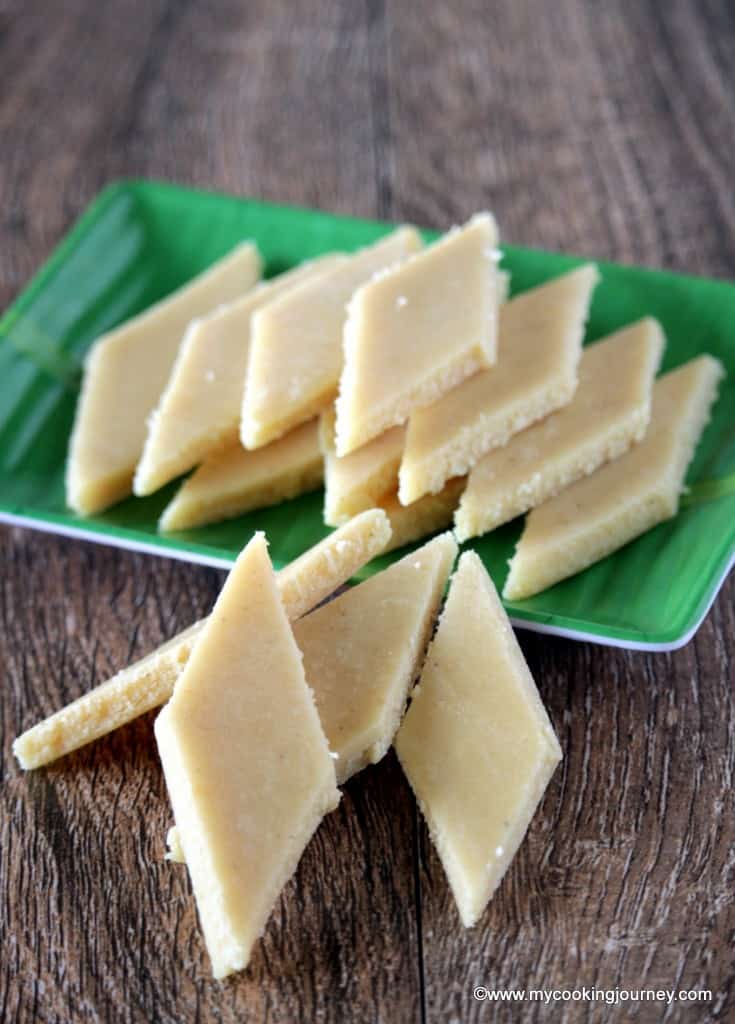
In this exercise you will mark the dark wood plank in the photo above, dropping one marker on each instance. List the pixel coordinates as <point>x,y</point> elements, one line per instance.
<point>601,128</point>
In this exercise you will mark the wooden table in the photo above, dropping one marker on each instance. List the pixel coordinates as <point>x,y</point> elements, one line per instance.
<point>603,128</point>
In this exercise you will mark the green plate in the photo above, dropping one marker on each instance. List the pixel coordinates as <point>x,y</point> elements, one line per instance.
<point>139,240</point>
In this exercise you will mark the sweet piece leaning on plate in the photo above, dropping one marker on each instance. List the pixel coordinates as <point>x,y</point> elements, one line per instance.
<point>606,510</point>
<point>363,650</point>
<point>124,374</point>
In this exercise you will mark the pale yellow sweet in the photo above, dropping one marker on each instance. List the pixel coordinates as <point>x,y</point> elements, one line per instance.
<point>363,651</point>
<point>358,480</point>
<point>604,511</point>
<point>246,762</point>
<point>417,331</point>
<point>125,372</point>
<point>433,512</point>
<point>296,348</point>
<point>476,744</point>
<point>199,410</point>
<point>303,584</point>
<point>609,412</point>
<point>234,480</point>
<point>539,344</point>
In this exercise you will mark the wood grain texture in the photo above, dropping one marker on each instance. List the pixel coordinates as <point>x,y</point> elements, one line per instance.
<point>603,128</point>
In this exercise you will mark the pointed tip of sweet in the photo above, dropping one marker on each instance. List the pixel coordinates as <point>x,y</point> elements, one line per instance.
<point>716,367</point>
<point>446,540</point>
<point>412,234</point>
<point>470,559</point>
<point>510,593</point>
<point>443,545</point>
<point>258,539</point>
<point>146,480</point>
<point>449,549</point>
<point>485,221</point>
<point>252,435</point>
<point>173,517</point>
<point>254,551</point>
<point>93,496</point>
<point>651,324</point>
<point>485,217</point>
<point>471,569</point>
<point>586,275</point>
<point>447,537</point>
<point>512,589</point>
<point>249,245</point>
<point>246,243</point>
<point>381,523</point>
<point>591,271</point>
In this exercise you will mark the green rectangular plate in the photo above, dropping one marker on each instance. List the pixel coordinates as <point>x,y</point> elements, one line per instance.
<point>139,240</point>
